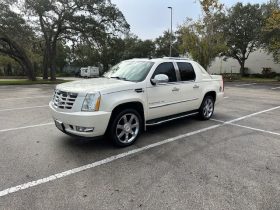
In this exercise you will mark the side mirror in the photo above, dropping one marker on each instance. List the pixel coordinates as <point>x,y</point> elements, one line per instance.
<point>160,79</point>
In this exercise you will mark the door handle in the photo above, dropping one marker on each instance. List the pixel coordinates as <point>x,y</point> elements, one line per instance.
<point>175,89</point>
<point>195,86</point>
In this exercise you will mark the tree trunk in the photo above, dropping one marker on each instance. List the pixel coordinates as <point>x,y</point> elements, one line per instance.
<point>45,64</point>
<point>53,77</point>
<point>52,61</point>
<point>9,69</point>
<point>29,68</point>
<point>242,68</point>
<point>35,67</point>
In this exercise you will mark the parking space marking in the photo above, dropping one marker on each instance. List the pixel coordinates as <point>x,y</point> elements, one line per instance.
<point>256,129</point>
<point>275,88</point>
<point>219,121</point>
<point>226,97</point>
<point>26,97</point>
<point>247,127</point>
<point>253,114</point>
<point>119,156</point>
<point>101,162</point>
<point>30,126</point>
<point>30,107</point>
<point>245,84</point>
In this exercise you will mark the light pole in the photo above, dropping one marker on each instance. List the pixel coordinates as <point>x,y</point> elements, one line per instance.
<point>170,52</point>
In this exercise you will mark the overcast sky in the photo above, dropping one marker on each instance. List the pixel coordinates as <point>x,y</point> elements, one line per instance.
<point>149,18</point>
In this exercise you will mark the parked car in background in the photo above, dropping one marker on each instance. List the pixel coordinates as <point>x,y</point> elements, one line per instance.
<point>135,94</point>
<point>90,71</point>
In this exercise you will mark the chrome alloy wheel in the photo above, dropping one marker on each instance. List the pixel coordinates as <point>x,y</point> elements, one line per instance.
<point>127,128</point>
<point>208,108</point>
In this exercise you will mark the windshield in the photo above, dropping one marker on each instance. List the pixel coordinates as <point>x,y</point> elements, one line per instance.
<point>135,71</point>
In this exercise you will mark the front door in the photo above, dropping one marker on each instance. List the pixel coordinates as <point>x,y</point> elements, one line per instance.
<point>163,99</point>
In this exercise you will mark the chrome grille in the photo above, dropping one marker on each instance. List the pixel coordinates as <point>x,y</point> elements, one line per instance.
<point>64,100</point>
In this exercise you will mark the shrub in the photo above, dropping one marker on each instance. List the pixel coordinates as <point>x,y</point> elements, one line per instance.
<point>266,71</point>
<point>231,77</point>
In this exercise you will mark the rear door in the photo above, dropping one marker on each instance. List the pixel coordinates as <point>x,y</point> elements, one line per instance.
<point>190,90</point>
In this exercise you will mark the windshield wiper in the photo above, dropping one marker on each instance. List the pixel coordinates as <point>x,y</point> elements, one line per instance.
<point>120,78</point>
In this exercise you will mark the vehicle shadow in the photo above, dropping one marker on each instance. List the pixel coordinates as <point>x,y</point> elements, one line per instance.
<point>83,151</point>
<point>151,135</point>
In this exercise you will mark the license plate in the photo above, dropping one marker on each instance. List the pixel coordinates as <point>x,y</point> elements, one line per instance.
<point>59,125</point>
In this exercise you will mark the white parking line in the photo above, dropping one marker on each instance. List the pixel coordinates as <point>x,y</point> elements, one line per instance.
<point>219,121</point>
<point>247,127</point>
<point>275,88</point>
<point>226,97</point>
<point>98,163</point>
<point>256,129</point>
<point>115,157</point>
<point>30,107</point>
<point>30,126</point>
<point>246,116</point>
<point>251,115</point>
<point>26,98</point>
<point>241,85</point>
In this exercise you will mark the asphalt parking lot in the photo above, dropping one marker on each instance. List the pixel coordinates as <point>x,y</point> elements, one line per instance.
<point>230,162</point>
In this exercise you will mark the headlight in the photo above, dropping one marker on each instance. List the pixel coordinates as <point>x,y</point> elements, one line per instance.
<point>91,102</point>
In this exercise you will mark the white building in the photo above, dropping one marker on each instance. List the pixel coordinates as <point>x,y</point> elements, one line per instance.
<point>255,63</point>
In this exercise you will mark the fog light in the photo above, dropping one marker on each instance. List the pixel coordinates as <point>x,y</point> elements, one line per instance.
<point>84,129</point>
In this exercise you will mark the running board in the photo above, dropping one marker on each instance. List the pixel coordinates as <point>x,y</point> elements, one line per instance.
<point>169,118</point>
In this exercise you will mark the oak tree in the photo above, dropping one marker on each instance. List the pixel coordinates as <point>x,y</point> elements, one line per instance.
<point>74,21</point>
<point>242,30</point>
<point>15,37</point>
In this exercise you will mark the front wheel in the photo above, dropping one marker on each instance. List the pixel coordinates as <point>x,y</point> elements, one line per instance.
<point>126,127</point>
<point>206,109</point>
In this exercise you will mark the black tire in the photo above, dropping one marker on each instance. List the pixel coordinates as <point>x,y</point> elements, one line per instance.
<point>207,107</point>
<point>116,133</point>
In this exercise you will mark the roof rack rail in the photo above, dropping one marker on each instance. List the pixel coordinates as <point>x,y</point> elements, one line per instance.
<point>177,58</point>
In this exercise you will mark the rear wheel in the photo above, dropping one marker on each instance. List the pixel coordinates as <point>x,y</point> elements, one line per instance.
<point>207,108</point>
<point>126,127</point>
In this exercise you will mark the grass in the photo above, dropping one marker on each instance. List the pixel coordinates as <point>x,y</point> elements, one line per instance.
<point>28,82</point>
<point>238,78</point>
<point>13,77</point>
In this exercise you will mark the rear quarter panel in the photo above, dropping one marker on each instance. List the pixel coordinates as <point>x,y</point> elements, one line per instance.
<point>208,82</point>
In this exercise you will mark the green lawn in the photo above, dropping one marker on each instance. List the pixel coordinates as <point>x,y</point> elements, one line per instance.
<point>251,79</point>
<point>28,82</point>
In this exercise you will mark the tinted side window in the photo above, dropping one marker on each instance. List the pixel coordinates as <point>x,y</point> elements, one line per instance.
<point>186,71</point>
<point>167,69</point>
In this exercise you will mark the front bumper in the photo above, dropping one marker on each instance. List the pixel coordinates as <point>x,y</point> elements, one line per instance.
<point>71,120</point>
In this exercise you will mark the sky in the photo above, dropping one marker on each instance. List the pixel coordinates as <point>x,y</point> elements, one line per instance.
<point>149,18</point>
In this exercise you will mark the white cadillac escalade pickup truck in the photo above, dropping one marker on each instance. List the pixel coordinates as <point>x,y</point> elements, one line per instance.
<point>134,94</point>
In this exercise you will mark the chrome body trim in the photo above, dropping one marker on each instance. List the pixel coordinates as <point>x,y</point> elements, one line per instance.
<point>172,103</point>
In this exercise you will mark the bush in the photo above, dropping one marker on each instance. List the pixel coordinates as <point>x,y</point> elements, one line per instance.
<point>268,73</point>
<point>231,77</point>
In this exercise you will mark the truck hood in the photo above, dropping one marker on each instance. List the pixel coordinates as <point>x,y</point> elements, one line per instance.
<point>92,85</point>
